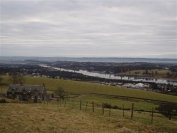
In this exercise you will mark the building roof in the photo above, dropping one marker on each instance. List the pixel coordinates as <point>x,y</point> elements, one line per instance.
<point>27,88</point>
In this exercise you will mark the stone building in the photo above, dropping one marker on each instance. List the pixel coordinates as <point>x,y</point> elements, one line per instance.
<point>26,92</point>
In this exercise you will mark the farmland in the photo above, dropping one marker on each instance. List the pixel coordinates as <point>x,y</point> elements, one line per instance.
<point>155,73</point>
<point>80,88</point>
<point>52,118</point>
<point>65,116</point>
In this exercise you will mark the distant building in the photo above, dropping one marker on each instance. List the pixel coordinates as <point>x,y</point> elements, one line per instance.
<point>25,92</point>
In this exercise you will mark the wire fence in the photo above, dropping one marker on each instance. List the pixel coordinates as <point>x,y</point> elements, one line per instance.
<point>92,107</point>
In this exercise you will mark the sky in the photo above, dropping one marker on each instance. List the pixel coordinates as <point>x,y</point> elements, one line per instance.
<point>89,28</point>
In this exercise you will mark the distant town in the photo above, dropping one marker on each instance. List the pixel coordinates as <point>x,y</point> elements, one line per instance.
<point>158,77</point>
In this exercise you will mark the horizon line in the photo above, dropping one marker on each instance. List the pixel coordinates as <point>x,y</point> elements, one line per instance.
<point>92,57</point>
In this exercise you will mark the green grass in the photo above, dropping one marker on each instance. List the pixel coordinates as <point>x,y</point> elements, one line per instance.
<point>88,88</point>
<point>138,105</point>
<point>66,117</point>
<point>161,73</point>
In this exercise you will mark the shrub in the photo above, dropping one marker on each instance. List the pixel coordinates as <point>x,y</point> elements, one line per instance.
<point>3,101</point>
<point>168,109</point>
<point>106,105</point>
<point>115,107</point>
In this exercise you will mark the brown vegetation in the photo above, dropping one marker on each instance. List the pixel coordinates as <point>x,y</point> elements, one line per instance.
<point>16,117</point>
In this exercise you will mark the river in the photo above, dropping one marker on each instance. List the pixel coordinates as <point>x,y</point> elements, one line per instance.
<point>111,76</point>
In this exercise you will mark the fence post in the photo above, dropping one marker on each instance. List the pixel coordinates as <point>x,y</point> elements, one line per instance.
<point>132,110</point>
<point>80,105</point>
<point>103,108</point>
<point>92,106</point>
<point>152,115</point>
<point>110,110</point>
<point>123,109</point>
<point>86,106</point>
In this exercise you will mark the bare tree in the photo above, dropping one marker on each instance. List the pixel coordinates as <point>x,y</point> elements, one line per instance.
<point>16,77</point>
<point>1,78</point>
<point>60,93</point>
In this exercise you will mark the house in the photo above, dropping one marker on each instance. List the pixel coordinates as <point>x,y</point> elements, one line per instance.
<point>25,92</point>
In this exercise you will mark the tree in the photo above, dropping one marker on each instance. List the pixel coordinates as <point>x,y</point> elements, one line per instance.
<point>16,77</point>
<point>1,78</point>
<point>152,73</point>
<point>154,86</point>
<point>168,74</point>
<point>146,72</point>
<point>60,93</point>
<point>167,109</point>
<point>156,73</point>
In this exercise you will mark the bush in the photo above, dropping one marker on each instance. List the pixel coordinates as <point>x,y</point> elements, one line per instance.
<point>168,109</point>
<point>115,107</point>
<point>126,108</point>
<point>3,101</point>
<point>106,105</point>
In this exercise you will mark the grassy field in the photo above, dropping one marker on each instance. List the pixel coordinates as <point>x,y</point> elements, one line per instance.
<point>53,118</point>
<point>138,104</point>
<point>157,73</point>
<point>82,88</point>
<point>66,116</point>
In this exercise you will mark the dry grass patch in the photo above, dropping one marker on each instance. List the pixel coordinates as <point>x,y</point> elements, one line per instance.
<point>43,118</point>
<point>36,118</point>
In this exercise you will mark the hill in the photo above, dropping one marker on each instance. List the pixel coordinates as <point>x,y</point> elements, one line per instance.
<point>36,118</point>
<point>78,87</point>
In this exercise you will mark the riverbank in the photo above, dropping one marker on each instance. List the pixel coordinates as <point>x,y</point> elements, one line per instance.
<point>114,77</point>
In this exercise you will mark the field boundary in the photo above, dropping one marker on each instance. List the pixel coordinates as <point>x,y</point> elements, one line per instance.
<point>128,97</point>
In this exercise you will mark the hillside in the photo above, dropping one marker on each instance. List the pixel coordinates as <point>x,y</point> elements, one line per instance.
<point>70,115</point>
<point>36,118</point>
<point>87,88</point>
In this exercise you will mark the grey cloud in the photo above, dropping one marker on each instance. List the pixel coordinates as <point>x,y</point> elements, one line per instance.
<point>72,28</point>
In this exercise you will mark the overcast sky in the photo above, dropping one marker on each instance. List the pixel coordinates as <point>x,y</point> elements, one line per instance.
<point>88,28</point>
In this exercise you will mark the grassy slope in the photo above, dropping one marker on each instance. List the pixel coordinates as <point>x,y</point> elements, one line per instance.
<point>50,118</point>
<point>141,105</point>
<point>85,88</point>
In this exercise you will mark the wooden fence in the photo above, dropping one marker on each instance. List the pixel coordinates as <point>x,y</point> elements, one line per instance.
<point>98,109</point>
